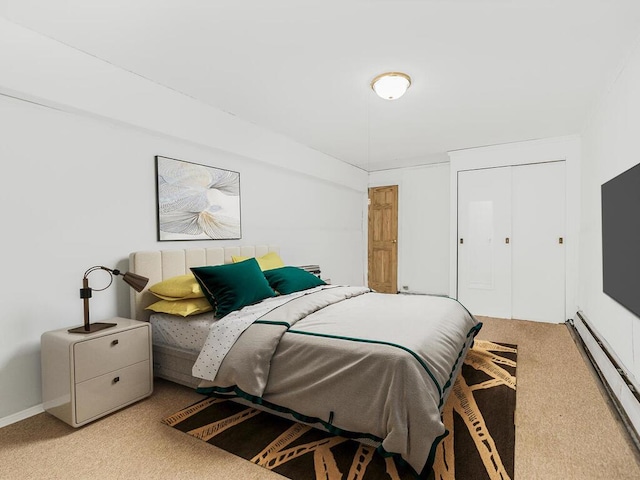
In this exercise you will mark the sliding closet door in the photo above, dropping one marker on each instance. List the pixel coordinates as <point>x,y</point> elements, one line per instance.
<point>484,256</point>
<point>511,241</point>
<point>537,245</point>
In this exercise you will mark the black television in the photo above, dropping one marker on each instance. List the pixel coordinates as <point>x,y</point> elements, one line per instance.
<point>621,239</point>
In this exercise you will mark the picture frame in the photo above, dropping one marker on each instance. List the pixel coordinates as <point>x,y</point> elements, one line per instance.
<point>196,202</point>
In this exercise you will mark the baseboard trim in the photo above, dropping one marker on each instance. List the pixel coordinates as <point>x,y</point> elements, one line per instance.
<point>16,417</point>
<point>616,380</point>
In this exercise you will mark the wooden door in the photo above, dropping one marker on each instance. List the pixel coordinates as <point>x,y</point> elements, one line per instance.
<point>383,239</point>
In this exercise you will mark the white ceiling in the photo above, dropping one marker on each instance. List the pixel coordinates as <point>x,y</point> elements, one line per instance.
<point>484,71</point>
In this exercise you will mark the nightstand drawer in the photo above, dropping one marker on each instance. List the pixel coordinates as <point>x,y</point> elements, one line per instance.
<point>97,356</point>
<point>109,392</point>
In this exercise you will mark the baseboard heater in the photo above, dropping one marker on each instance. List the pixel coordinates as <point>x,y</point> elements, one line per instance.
<point>624,392</point>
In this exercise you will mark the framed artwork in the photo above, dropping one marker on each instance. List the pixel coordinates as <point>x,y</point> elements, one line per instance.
<point>197,202</point>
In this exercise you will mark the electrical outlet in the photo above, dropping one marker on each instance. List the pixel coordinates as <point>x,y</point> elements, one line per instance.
<point>405,287</point>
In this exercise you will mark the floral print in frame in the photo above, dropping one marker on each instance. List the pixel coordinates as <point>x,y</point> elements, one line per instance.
<point>197,202</point>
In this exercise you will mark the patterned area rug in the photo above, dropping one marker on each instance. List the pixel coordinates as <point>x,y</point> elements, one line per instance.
<point>479,415</point>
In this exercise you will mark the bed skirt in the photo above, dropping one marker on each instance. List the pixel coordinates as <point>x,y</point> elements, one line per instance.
<point>174,364</point>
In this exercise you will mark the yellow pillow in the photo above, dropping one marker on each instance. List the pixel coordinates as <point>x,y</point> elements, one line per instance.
<point>184,308</point>
<point>177,288</point>
<point>267,262</point>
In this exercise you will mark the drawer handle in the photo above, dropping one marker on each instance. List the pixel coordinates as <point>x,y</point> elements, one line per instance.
<point>114,343</point>
<point>116,380</point>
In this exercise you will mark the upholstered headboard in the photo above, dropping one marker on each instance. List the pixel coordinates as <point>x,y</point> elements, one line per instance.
<point>158,265</point>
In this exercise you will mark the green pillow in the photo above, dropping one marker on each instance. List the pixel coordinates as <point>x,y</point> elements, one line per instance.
<point>291,279</point>
<point>233,286</point>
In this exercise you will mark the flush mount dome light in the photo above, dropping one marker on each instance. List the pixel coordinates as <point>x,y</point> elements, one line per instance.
<point>391,85</point>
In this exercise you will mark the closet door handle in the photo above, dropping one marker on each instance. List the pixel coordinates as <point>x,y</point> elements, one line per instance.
<point>561,240</point>
<point>506,240</point>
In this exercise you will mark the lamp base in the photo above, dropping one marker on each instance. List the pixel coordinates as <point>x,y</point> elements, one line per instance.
<point>93,327</point>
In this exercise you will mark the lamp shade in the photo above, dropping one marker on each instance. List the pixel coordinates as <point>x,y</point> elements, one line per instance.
<point>137,282</point>
<point>391,85</point>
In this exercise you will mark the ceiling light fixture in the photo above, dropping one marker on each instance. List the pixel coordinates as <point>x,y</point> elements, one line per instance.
<point>391,85</point>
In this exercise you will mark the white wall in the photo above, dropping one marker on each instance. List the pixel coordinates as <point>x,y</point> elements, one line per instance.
<point>423,225</point>
<point>78,189</point>
<point>46,71</point>
<point>609,147</point>
<point>521,153</point>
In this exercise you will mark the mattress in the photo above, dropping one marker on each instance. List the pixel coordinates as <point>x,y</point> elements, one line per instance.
<point>188,334</point>
<point>177,341</point>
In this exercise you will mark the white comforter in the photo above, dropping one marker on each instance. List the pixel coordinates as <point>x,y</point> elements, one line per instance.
<point>355,362</point>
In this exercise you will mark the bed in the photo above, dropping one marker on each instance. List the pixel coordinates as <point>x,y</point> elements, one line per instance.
<point>373,367</point>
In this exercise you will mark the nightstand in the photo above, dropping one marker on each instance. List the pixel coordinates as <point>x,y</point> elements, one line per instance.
<point>87,376</point>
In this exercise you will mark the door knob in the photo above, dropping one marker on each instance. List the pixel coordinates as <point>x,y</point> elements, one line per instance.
<point>506,240</point>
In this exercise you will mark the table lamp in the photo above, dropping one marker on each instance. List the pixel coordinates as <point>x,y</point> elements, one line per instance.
<point>137,282</point>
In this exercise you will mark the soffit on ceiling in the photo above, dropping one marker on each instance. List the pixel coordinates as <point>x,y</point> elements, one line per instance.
<point>483,71</point>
